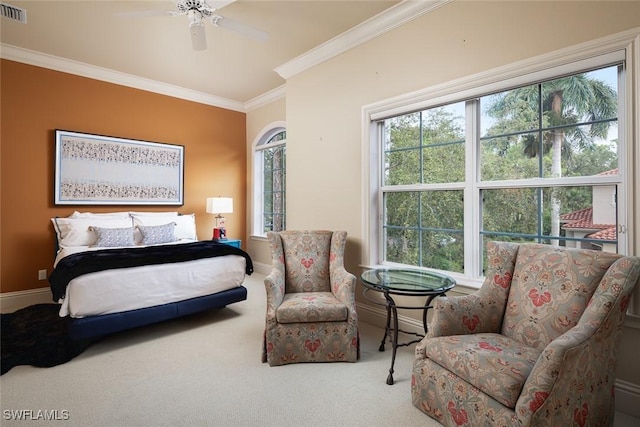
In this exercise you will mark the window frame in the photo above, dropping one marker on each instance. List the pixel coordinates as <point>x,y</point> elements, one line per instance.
<point>595,54</point>
<point>259,145</point>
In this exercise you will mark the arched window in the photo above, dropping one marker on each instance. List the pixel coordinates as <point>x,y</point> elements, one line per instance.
<point>270,181</point>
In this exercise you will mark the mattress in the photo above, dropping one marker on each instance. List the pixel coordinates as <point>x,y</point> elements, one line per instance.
<point>118,290</point>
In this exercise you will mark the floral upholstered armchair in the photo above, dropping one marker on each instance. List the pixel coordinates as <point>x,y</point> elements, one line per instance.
<point>311,313</point>
<point>534,346</point>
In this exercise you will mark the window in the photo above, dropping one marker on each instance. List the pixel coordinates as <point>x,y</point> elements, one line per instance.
<point>532,158</point>
<point>270,181</point>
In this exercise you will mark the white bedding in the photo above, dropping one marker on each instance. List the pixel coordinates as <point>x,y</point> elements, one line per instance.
<point>117,290</point>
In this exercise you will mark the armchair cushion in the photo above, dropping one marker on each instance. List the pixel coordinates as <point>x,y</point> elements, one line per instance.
<point>311,307</point>
<point>497,365</point>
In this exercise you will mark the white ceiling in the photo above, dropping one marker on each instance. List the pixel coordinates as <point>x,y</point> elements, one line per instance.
<point>233,69</point>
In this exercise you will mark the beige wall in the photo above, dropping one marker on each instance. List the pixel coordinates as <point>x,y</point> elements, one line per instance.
<point>324,103</point>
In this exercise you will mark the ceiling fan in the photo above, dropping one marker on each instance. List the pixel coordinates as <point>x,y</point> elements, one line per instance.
<point>199,11</point>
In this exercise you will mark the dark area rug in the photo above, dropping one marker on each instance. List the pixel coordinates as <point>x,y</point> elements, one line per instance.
<point>37,336</point>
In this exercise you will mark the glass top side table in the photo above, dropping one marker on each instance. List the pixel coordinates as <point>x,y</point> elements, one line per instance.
<point>407,282</point>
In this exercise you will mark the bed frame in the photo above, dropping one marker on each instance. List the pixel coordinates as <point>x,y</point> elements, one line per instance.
<point>95,326</point>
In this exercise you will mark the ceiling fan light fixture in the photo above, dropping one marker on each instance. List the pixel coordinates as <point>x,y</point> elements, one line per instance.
<point>195,17</point>
<point>198,37</point>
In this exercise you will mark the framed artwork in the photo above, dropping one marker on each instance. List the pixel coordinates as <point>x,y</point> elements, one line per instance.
<point>104,170</point>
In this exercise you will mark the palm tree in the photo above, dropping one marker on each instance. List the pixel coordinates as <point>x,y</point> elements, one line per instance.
<point>559,112</point>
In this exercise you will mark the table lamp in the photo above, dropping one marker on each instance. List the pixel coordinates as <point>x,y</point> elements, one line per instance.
<point>219,206</point>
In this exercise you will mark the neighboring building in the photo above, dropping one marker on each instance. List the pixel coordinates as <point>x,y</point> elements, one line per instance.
<point>597,223</point>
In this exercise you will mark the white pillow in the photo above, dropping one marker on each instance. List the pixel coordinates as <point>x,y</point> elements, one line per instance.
<point>186,227</point>
<point>133,213</point>
<point>76,231</point>
<point>77,214</point>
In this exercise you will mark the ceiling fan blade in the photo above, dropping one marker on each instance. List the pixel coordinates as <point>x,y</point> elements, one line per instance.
<point>219,4</point>
<point>198,36</point>
<point>243,29</point>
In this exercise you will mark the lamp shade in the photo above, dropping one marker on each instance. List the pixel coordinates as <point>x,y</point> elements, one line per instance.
<point>219,205</point>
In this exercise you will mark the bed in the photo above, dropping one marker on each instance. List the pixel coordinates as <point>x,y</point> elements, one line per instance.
<point>122,270</point>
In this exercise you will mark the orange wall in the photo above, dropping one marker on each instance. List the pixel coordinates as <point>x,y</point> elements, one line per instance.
<point>36,101</point>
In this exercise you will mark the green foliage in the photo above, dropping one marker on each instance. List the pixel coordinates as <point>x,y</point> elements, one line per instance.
<point>424,227</point>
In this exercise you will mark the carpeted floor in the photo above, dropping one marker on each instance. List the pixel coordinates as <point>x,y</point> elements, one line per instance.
<point>37,336</point>
<point>205,370</point>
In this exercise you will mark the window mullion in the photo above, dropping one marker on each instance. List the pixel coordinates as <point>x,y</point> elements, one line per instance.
<point>422,179</point>
<point>472,199</point>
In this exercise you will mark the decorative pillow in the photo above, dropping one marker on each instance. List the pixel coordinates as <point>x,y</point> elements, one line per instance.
<point>150,218</point>
<point>72,232</point>
<point>157,234</point>
<point>112,237</point>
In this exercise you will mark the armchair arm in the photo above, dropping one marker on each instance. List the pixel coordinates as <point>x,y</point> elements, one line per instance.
<point>275,282</point>
<point>343,286</point>
<point>574,377</point>
<point>483,310</point>
<point>274,287</point>
<point>343,283</point>
<point>469,314</point>
<point>479,312</point>
<point>457,315</point>
<point>563,378</point>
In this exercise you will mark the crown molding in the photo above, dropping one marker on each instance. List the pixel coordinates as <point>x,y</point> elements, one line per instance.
<point>56,63</point>
<point>385,21</point>
<point>265,98</point>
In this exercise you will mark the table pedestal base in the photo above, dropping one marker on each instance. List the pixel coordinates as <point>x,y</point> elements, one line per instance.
<point>404,283</point>
<point>392,329</point>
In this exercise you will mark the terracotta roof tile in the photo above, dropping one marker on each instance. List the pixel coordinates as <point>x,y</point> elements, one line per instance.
<point>606,234</point>
<point>582,214</point>
<point>610,172</point>
<point>583,219</point>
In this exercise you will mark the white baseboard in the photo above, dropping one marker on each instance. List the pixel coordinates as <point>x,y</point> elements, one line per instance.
<point>12,301</point>
<point>627,394</point>
<point>262,268</point>
<point>628,398</point>
<point>375,315</point>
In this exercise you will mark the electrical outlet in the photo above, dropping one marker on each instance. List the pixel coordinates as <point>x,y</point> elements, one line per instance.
<point>42,274</point>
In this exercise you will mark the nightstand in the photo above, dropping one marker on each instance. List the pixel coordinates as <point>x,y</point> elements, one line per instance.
<point>231,242</point>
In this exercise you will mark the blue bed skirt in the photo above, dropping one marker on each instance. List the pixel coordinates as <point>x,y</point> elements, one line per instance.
<point>94,326</point>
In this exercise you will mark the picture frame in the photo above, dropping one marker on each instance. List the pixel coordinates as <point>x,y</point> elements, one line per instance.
<point>104,170</point>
